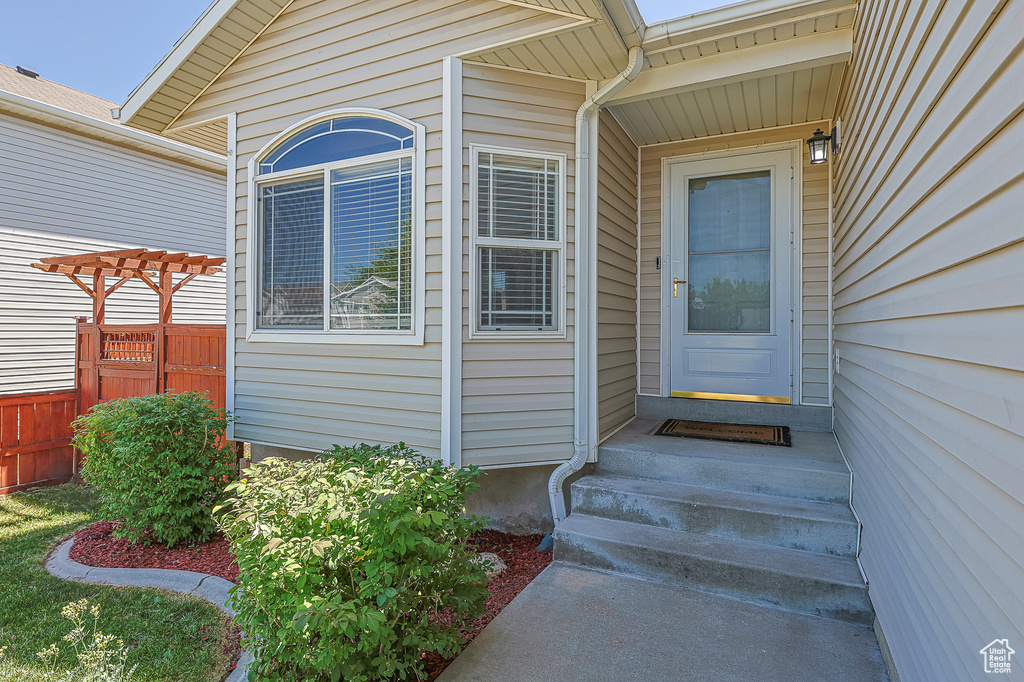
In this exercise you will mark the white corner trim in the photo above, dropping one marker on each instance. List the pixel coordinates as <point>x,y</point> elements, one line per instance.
<point>414,337</point>
<point>231,220</point>
<point>830,288</point>
<point>451,263</point>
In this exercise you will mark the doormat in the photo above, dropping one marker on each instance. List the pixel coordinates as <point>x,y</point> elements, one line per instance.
<point>734,433</point>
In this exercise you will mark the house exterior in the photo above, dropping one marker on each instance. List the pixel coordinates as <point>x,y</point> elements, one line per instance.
<point>586,216</point>
<point>73,180</point>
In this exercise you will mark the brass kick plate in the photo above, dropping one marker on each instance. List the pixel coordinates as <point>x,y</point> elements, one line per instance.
<point>775,399</point>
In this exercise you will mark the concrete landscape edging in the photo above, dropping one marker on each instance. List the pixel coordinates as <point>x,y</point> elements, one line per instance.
<point>202,585</point>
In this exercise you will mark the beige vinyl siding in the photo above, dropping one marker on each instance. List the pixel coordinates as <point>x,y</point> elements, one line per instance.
<point>929,322</point>
<point>63,193</point>
<point>315,57</point>
<point>518,394</point>
<point>814,268</point>
<point>616,276</point>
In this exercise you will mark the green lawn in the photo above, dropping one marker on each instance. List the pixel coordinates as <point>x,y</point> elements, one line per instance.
<point>171,637</point>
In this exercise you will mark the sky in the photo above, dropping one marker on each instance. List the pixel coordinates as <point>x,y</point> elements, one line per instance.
<point>107,47</point>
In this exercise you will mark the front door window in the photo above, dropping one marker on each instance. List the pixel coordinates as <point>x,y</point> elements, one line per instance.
<point>730,242</point>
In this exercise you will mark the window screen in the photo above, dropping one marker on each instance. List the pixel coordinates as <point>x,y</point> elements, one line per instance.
<point>518,236</point>
<point>292,259</point>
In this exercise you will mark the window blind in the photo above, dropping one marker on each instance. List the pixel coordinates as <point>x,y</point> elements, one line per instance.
<point>371,239</point>
<point>518,197</point>
<point>517,207</point>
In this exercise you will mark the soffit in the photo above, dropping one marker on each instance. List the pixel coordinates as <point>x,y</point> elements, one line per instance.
<point>770,101</point>
<point>593,44</point>
<point>663,46</point>
<point>216,39</point>
<point>209,135</point>
<point>777,64</point>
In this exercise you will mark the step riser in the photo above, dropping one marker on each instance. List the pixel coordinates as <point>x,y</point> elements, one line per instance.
<point>807,595</point>
<point>807,484</point>
<point>805,417</point>
<point>823,537</point>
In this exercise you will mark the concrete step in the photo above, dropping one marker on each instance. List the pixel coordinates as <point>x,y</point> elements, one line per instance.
<point>806,417</point>
<point>820,527</point>
<point>817,584</point>
<point>812,469</point>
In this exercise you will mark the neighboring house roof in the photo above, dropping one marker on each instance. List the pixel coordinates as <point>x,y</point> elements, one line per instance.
<point>58,95</point>
<point>59,106</point>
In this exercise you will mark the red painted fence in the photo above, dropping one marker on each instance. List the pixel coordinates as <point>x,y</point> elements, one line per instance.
<point>144,359</point>
<point>112,361</point>
<point>35,439</point>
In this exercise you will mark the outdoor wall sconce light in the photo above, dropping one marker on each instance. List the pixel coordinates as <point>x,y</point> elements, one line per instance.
<point>819,144</point>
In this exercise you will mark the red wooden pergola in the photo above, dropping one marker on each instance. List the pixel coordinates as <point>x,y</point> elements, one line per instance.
<point>122,360</point>
<point>127,264</point>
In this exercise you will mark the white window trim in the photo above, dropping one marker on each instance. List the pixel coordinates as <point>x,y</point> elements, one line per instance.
<point>475,240</point>
<point>412,337</point>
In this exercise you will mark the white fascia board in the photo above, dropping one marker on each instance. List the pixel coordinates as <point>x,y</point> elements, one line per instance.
<point>181,51</point>
<point>31,109</point>
<point>818,49</point>
<point>735,17</point>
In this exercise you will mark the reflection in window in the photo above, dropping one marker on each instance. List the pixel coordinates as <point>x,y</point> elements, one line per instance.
<point>336,140</point>
<point>371,238</point>
<point>729,262</point>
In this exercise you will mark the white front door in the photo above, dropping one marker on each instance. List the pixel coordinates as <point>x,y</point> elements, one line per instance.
<point>729,278</point>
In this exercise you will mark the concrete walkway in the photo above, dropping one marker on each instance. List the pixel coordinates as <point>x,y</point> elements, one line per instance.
<point>573,623</point>
<point>202,585</point>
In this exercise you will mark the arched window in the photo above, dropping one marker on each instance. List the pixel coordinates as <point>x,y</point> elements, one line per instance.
<point>335,218</point>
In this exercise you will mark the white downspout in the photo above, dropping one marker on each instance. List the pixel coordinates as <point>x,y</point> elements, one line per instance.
<point>585,427</point>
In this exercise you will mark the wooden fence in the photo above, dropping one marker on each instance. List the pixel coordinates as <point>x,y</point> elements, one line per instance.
<point>35,439</point>
<point>142,359</point>
<point>112,361</point>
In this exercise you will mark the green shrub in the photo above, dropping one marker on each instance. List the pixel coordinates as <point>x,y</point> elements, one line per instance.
<point>344,559</point>
<point>160,462</point>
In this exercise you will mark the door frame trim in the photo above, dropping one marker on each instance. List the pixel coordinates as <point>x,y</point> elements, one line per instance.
<point>795,147</point>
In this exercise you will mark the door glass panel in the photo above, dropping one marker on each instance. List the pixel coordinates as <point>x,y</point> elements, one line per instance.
<point>729,260</point>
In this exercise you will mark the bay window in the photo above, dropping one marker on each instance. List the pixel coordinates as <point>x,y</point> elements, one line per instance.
<point>338,209</point>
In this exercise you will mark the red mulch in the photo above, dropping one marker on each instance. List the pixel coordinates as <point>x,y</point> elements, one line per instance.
<point>95,546</point>
<point>519,552</point>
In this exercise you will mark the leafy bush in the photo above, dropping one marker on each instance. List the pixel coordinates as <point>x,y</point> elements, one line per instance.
<point>160,462</point>
<point>344,559</point>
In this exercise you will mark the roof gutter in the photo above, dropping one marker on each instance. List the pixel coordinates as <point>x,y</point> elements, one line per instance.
<point>585,393</point>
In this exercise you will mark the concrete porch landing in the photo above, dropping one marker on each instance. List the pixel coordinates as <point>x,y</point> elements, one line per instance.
<point>573,623</point>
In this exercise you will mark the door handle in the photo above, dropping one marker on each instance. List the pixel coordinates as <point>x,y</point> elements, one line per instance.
<point>675,286</point>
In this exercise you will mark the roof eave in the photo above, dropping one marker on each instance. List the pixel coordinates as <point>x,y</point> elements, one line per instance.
<point>173,60</point>
<point>734,17</point>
